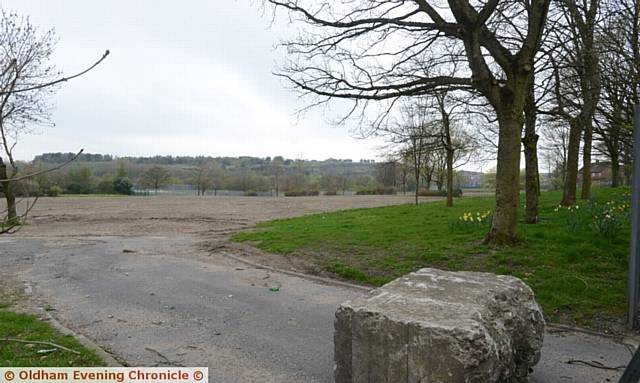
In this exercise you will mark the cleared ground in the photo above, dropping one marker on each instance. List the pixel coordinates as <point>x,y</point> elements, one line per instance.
<point>208,221</point>
<point>177,215</point>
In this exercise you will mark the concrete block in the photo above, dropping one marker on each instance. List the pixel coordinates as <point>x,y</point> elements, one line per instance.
<point>435,326</point>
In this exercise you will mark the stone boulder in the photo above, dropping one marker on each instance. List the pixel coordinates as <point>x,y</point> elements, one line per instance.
<point>435,326</point>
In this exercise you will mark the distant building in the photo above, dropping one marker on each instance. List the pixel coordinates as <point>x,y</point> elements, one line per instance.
<point>469,180</point>
<point>600,173</point>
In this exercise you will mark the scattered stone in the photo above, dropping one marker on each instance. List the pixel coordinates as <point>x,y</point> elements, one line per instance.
<point>127,251</point>
<point>47,351</point>
<point>439,326</point>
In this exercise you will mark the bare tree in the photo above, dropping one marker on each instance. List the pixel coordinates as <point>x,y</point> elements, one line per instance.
<point>414,137</point>
<point>27,80</point>
<point>276,169</point>
<point>620,90</point>
<point>455,142</point>
<point>404,167</point>
<point>386,173</point>
<point>574,59</point>
<point>555,147</point>
<point>155,177</point>
<point>530,144</point>
<point>385,49</point>
<point>206,176</point>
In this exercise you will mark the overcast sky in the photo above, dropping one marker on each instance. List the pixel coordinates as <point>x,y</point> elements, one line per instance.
<point>183,78</point>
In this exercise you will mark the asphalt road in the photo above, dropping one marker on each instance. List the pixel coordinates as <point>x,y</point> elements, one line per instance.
<point>155,301</point>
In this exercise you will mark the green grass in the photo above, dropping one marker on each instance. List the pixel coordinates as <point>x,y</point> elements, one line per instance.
<point>579,277</point>
<point>27,327</point>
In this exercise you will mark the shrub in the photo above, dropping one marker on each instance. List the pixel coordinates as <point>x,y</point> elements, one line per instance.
<point>54,191</point>
<point>78,188</point>
<point>123,186</point>
<point>378,191</point>
<point>105,186</point>
<point>438,193</point>
<point>301,193</point>
<point>331,192</point>
<point>250,193</point>
<point>27,188</point>
<point>431,193</point>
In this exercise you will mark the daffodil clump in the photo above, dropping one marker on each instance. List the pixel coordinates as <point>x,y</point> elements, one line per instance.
<point>572,216</point>
<point>605,217</point>
<point>609,217</point>
<point>470,220</point>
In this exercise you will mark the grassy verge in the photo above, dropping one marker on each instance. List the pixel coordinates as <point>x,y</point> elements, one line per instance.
<point>28,328</point>
<point>575,260</point>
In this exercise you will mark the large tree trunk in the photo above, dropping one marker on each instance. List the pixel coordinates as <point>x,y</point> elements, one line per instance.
<point>590,84</point>
<point>532,175</point>
<point>586,160</point>
<point>404,183</point>
<point>628,169</point>
<point>417,185</point>
<point>532,178</point>
<point>504,227</point>
<point>449,177</point>
<point>571,177</point>
<point>9,196</point>
<point>417,162</point>
<point>615,170</point>
<point>440,179</point>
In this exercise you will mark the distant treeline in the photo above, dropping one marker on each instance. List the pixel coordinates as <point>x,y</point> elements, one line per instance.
<point>104,173</point>
<point>58,158</point>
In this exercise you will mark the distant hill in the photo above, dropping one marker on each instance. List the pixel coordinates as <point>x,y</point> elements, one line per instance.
<point>310,167</point>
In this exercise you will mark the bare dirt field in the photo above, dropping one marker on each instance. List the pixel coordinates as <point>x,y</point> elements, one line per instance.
<point>179,215</point>
<point>207,222</point>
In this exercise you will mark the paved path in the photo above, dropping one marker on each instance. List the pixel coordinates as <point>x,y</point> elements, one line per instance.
<point>152,301</point>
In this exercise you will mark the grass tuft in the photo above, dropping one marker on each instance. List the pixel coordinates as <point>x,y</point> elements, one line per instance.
<point>26,327</point>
